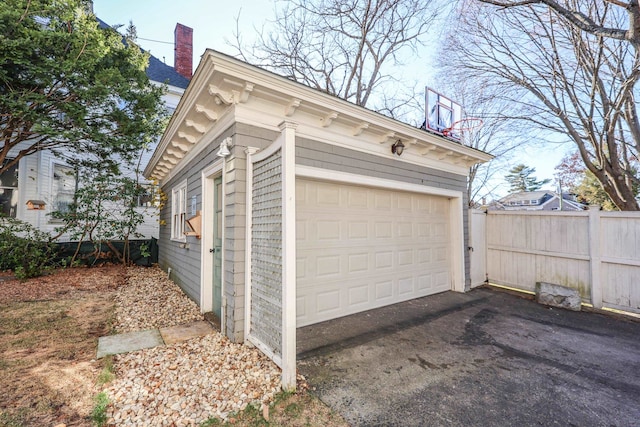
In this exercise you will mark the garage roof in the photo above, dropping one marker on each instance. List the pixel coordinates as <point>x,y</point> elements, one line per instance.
<point>225,90</point>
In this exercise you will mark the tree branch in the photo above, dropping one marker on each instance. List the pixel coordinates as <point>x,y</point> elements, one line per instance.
<point>577,18</point>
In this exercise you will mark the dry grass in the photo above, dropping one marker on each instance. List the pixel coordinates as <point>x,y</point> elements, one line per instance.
<point>48,339</point>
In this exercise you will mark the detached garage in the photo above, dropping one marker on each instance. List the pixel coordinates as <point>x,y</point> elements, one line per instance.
<point>288,207</point>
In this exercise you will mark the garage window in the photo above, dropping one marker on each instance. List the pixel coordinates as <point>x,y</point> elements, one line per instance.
<point>178,211</point>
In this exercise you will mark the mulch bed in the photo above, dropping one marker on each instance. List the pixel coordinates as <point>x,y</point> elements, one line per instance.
<point>60,283</point>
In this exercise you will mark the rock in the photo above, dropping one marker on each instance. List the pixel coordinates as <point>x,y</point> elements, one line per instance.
<point>180,383</point>
<point>558,296</point>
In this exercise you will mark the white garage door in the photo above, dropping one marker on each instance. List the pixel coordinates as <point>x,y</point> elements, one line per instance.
<point>359,248</point>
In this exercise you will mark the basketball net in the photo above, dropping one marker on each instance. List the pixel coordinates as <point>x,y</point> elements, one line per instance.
<point>460,127</point>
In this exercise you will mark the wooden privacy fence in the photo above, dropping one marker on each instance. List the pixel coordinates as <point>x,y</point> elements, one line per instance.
<point>595,252</point>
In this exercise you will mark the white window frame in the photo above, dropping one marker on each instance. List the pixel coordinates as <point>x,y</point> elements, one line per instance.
<point>14,190</point>
<point>150,193</point>
<point>178,211</point>
<point>52,192</point>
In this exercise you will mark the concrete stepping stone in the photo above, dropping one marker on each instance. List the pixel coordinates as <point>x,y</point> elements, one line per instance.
<point>131,341</point>
<point>175,334</point>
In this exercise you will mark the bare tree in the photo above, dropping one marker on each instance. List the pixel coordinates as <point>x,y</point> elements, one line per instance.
<point>561,79</point>
<point>346,49</point>
<point>584,20</point>
<point>496,135</point>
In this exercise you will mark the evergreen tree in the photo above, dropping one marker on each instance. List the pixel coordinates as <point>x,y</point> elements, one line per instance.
<point>521,178</point>
<point>69,86</point>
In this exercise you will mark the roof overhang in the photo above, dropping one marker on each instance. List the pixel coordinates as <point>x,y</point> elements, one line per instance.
<point>225,90</point>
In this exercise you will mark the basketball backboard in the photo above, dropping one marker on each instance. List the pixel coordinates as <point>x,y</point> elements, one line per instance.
<point>441,113</point>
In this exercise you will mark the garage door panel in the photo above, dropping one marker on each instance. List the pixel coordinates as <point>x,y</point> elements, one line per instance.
<point>383,201</point>
<point>424,256</point>
<point>333,299</point>
<point>360,248</point>
<point>301,268</point>
<point>358,230</point>
<point>358,262</point>
<point>404,229</point>
<point>355,228</point>
<point>383,261</point>
<point>358,199</point>
<point>327,266</point>
<point>423,206</point>
<point>328,301</point>
<point>424,282</point>
<point>327,230</point>
<point>404,202</point>
<point>384,291</point>
<point>406,286</point>
<point>347,263</point>
<point>405,257</point>
<point>327,195</point>
<point>301,306</point>
<point>383,230</point>
<point>440,254</point>
<point>442,281</point>
<point>358,295</point>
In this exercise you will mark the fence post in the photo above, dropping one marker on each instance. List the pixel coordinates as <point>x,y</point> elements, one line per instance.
<point>594,254</point>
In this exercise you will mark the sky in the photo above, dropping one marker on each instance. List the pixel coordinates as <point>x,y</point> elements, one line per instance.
<point>214,22</point>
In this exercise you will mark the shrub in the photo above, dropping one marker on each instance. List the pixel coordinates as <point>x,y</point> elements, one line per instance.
<point>105,210</point>
<point>24,249</point>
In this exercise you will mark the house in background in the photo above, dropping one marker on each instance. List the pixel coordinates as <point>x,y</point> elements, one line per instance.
<point>42,182</point>
<point>542,200</point>
<point>288,206</point>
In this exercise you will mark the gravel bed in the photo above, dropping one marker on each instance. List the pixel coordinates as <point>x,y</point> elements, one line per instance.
<point>150,300</point>
<point>186,383</point>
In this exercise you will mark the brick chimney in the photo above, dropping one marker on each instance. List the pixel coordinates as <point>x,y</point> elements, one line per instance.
<point>183,50</point>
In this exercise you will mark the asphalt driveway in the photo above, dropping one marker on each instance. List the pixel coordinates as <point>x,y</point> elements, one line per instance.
<point>484,358</point>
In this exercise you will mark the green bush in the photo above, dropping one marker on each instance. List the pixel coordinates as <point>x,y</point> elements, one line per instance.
<point>24,249</point>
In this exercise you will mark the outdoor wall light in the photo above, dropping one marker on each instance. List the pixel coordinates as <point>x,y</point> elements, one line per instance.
<point>224,148</point>
<point>397,148</point>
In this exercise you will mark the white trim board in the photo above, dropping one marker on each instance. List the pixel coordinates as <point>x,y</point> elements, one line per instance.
<point>225,122</point>
<point>289,282</point>
<point>369,181</point>
<point>250,151</point>
<point>208,175</point>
